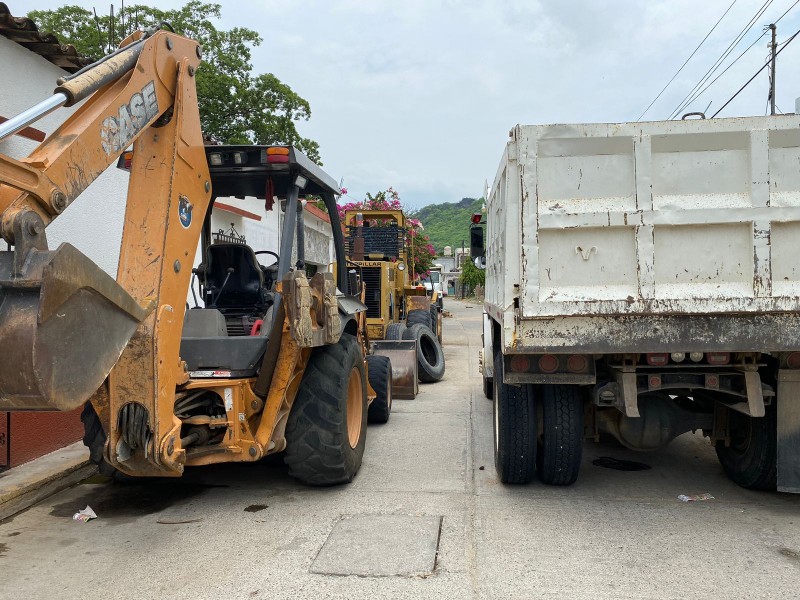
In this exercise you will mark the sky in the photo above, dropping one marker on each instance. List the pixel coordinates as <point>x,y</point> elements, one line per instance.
<point>420,95</point>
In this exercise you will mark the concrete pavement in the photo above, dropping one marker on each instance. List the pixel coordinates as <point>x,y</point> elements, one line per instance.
<point>249,531</point>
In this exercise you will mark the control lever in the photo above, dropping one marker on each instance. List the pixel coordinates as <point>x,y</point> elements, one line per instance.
<point>222,287</point>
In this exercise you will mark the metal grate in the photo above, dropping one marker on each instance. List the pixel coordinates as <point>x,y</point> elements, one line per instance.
<point>372,282</point>
<point>386,240</point>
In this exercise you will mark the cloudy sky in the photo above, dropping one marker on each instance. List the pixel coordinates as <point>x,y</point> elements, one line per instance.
<point>420,95</point>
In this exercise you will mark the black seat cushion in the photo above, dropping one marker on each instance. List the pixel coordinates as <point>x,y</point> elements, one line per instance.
<point>244,289</point>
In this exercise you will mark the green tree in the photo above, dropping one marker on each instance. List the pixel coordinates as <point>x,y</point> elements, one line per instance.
<point>236,106</point>
<point>472,276</point>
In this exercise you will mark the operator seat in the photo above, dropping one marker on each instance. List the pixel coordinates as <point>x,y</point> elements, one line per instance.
<point>245,291</point>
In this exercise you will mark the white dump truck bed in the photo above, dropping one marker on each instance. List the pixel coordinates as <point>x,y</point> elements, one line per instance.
<point>629,236</point>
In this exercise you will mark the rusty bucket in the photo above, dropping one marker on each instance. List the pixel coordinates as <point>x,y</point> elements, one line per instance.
<point>64,323</point>
<point>403,356</point>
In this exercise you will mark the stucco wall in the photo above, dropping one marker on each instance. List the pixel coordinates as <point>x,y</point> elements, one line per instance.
<point>93,223</point>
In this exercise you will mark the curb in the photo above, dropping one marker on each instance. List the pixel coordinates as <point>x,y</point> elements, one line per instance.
<point>27,484</point>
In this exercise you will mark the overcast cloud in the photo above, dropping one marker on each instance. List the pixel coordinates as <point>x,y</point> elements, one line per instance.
<point>421,95</point>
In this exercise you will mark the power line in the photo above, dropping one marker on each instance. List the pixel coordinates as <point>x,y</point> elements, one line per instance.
<point>749,81</point>
<point>709,84</point>
<point>718,63</point>
<point>699,93</point>
<point>686,61</point>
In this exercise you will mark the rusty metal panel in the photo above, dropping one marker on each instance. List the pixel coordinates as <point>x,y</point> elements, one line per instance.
<point>4,439</point>
<point>403,356</point>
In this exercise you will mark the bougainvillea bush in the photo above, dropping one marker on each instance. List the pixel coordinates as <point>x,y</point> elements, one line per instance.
<point>422,252</point>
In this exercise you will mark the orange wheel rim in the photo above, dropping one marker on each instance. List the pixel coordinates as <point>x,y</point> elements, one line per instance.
<point>355,408</point>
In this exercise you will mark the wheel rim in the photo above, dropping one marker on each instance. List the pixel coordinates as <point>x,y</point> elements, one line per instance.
<point>355,408</point>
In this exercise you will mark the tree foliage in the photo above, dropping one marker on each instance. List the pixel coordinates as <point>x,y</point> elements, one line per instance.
<point>421,251</point>
<point>472,276</point>
<point>236,106</point>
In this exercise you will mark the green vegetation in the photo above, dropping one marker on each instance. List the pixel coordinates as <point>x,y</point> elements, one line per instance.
<point>447,224</point>
<point>472,276</point>
<point>236,105</point>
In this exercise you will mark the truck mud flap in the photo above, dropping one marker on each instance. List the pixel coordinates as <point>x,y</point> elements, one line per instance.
<point>64,323</point>
<point>403,355</point>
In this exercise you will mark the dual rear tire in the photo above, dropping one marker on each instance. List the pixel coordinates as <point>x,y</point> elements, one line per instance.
<point>520,450</point>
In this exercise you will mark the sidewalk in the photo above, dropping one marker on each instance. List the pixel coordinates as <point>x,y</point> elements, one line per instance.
<point>27,484</point>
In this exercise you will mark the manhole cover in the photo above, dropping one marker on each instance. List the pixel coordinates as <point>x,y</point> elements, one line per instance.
<point>380,546</point>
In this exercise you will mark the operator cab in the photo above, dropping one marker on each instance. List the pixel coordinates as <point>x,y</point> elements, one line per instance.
<point>228,335</point>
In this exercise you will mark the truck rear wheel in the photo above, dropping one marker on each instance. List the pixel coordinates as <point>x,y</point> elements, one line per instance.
<point>488,387</point>
<point>514,429</point>
<point>327,428</point>
<point>421,317</point>
<point>379,372</point>
<point>751,458</point>
<point>561,445</point>
<point>430,358</point>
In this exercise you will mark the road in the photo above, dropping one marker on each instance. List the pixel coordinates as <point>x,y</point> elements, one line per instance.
<point>425,518</point>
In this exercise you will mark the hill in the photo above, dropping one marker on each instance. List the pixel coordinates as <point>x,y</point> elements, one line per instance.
<point>447,224</point>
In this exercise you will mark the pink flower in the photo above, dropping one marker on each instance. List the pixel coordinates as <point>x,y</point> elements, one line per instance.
<point>343,191</point>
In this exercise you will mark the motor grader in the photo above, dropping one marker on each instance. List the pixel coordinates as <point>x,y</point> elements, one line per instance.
<point>165,386</point>
<point>398,305</point>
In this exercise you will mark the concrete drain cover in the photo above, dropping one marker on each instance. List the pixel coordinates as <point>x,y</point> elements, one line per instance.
<point>380,546</point>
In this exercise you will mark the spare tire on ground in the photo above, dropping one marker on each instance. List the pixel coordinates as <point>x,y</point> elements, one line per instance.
<point>379,373</point>
<point>419,317</point>
<point>394,331</point>
<point>430,358</point>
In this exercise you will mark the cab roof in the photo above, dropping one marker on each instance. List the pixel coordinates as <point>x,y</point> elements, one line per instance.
<point>247,170</point>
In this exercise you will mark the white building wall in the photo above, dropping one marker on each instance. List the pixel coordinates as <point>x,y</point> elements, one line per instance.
<point>93,223</point>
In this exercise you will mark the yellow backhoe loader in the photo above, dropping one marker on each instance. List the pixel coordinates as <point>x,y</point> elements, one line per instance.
<point>271,362</point>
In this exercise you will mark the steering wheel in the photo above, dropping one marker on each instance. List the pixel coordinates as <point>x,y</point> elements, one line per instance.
<point>277,258</point>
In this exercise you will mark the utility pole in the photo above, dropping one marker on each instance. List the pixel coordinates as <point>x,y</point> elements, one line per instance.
<point>774,48</point>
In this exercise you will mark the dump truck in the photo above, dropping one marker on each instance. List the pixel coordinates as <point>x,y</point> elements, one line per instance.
<point>399,307</point>
<point>642,281</point>
<point>163,386</point>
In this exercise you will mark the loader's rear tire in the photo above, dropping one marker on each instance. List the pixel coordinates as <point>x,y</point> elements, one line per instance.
<point>751,458</point>
<point>561,446</point>
<point>379,371</point>
<point>514,429</point>
<point>394,331</point>
<point>94,438</point>
<point>327,428</point>
<point>430,358</point>
<point>419,317</point>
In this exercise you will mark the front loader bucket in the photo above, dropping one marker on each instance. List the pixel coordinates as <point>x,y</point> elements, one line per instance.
<point>64,323</point>
<point>403,356</point>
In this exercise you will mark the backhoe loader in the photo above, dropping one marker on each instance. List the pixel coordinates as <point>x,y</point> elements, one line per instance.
<point>164,386</point>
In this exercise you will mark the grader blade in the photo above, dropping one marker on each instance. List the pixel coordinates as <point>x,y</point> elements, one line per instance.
<point>64,323</point>
<point>403,356</point>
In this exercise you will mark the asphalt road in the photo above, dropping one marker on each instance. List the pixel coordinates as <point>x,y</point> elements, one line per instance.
<point>425,518</point>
